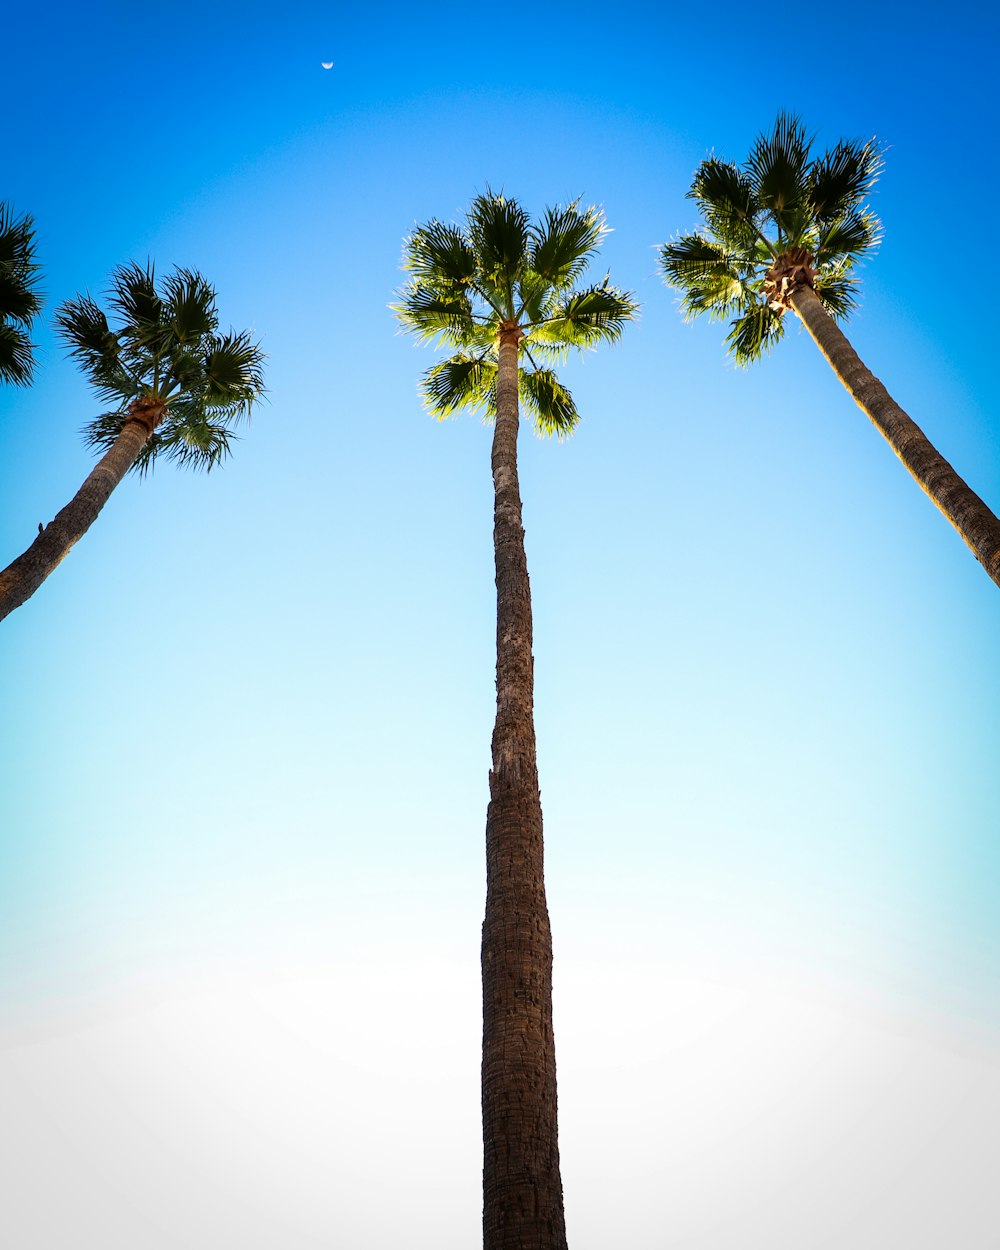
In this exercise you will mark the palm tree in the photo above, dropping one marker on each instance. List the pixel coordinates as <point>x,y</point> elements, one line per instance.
<point>19,299</point>
<point>177,388</point>
<point>785,232</point>
<point>500,290</point>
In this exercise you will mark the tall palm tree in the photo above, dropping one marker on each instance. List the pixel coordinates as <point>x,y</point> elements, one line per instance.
<point>500,290</point>
<point>19,298</point>
<point>177,388</point>
<point>783,232</point>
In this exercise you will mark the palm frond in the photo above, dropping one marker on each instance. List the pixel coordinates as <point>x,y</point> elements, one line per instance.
<point>92,343</point>
<point>841,178</point>
<point>755,333</point>
<point>134,297</point>
<point>20,298</point>
<point>16,360</point>
<point>549,402</point>
<point>726,198</point>
<point>851,236</point>
<point>234,373</point>
<point>192,441</point>
<point>587,317</point>
<point>432,314</point>
<point>777,168</point>
<point>837,289</point>
<point>461,381</point>
<point>563,245</point>
<point>499,234</point>
<point>190,306</point>
<point>439,255</point>
<point>101,431</point>
<point>709,277</point>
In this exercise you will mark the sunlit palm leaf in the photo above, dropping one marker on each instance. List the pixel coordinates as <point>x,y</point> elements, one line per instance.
<point>549,402</point>
<point>755,333</point>
<point>841,178</point>
<point>190,302</point>
<point>430,314</point>
<point>499,235</point>
<point>97,349</point>
<point>440,255</point>
<point>16,363</point>
<point>586,318</point>
<point>20,300</point>
<point>838,292</point>
<point>850,236</point>
<point>777,166</point>
<point>564,244</point>
<point>461,381</point>
<point>726,198</point>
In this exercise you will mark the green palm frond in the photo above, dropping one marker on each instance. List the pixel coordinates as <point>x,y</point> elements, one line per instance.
<point>726,198</point>
<point>440,255</point>
<point>777,168</point>
<point>837,290</point>
<point>841,178</point>
<point>707,275</point>
<point>755,333</point>
<point>430,314</point>
<point>134,297</point>
<point>197,442</point>
<point>585,318</point>
<point>461,381</point>
<point>564,244</point>
<point>852,236</point>
<point>549,402</point>
<point>234,374</point>
<point>190,306</point>
<point>20,298</point>
<point>499,235</point>
<point>97,349</point>
<point>16,360</point>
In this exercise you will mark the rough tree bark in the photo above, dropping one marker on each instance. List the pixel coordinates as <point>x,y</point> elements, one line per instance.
<point>22,577</point>
<point>522,1189</point>
<point>974,520</point>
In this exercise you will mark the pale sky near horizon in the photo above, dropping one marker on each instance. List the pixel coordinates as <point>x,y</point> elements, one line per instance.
<point>244,776</point>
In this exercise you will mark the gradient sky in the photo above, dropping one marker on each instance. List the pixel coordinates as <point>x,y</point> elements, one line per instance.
<point>244,773</point>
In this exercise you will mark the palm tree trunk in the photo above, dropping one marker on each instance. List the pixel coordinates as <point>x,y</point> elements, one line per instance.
<point>22,577</point>
<point>522,1189</point>
<point>975,522</point>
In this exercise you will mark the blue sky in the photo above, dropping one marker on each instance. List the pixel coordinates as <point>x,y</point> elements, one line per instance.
<point>245,770</point>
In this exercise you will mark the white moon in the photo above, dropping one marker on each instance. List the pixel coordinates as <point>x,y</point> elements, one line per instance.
<point>327,64</point>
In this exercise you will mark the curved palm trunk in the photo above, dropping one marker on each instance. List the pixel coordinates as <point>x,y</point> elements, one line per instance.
<point>22,577</point>
<point>975,522</point>
<point>522,1189</point>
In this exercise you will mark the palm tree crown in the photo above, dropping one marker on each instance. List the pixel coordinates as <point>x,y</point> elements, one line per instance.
<point>167,356</point>
<point>502,274</point>
<point>784,219</point>
<point>19,298</point>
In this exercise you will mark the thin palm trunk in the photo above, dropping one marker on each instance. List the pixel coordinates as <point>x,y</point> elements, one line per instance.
<point>22,577</point>
<point>975,522</point>
<point>522,1189</point>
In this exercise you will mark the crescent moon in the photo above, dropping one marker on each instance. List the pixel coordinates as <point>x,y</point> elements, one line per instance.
<point>327,64</point>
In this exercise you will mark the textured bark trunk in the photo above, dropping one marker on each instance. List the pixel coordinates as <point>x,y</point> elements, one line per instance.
<point>975,522</point>
<point>22,577</point>
<point>522,1189</point>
